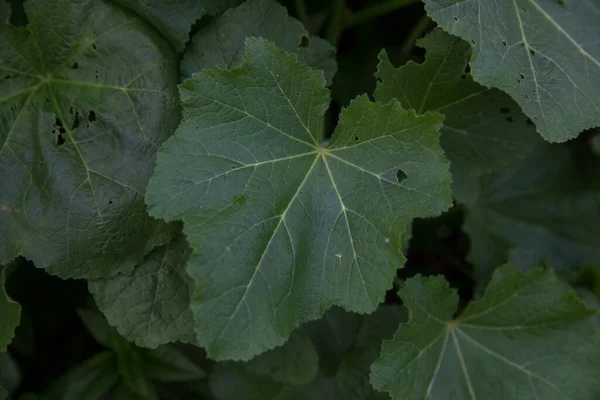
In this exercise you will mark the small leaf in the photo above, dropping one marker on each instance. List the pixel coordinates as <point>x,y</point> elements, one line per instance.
<point>543,53</point>
<point>347,344</point>
<point>150,306</point>
<point>174,18</point>
<point>89,93</point>
<point>221,43</point>
<point>484,129</point>
<point>10,314</point>
<point>528,337</point>
<point>541,209</point>
<point>319,225</point>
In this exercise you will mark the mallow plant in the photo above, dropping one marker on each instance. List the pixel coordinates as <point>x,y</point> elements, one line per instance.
<point>227,199</point>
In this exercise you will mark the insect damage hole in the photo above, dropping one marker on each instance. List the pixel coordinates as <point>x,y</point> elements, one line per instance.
<point>401,176</point>
<point>60,131</point>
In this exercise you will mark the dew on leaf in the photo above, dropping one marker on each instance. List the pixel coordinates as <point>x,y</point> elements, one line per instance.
<point>387,240</point>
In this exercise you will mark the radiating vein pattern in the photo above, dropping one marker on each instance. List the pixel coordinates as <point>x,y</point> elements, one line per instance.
<point>529,328</point>
<point>544,53</point>
<point>79,128</point>
<point>281,226</point>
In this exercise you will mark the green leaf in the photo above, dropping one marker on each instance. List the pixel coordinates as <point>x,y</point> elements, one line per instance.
<point>167,364</point>
<point>528,337</point>
<point>151,306</point>
<point>541,52</point>
<point>484,129</point>
<point>10,376</point>
<point>347,344</point>
<point>88,95</point>
<point>10,314</point>
<point>540,209</point>
<point>281,226</point>
<point>174,18</point>
<point>90,380</point>
<point>221,43</point>
<point>296,362</point>
<point>3,393</point>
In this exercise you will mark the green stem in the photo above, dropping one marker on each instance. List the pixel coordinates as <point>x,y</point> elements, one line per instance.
<point>301,12</point>
<point>336,22</point>
<point>416,32</point>
<point>376,11</point>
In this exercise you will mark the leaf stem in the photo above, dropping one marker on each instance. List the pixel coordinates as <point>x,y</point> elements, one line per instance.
<point>376,11</point>
<point>337,20</point>
<point>415,33</point>
<point>301,12</point>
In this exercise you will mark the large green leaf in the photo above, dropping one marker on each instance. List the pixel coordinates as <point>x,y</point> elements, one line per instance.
<point>543,53</point>
<point>282,226</point>
<point>484,129</point>
<point>151,305</point>
<point>346,343</point>
<point>528,337</point>
<point>174,18</point>
<point>221,43</point>
<point>540,209</point>
<point>88,95</point>
<point>10,314</point>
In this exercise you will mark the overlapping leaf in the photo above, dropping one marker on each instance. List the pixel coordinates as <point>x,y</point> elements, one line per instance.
<point>151,305</point>
<point>528,337</point>
<point>281,226</point>
<point>346,344</point>
<point>484,129</point>
<point>544,53</point>
<point>174,18</point>
<point>88,95</point>
<point>10,314</point>
<point>221,43</point>
<point>540,209</point>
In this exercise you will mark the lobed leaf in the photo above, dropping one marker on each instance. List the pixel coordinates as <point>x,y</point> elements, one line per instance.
<point>174,18</point>
<point>221,42</point>
<point>483,129</point>
<point>543,53</point>
<point>150,306</point>
<point>88,95</point>
<point>528,337</point>
<point>282,227</point>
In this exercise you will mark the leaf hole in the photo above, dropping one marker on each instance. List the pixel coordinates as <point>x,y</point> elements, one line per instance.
<point>504,110</point>
<point>356,138</point>
<point>529,122</point>
<point>110,202</point>
<point>456,19</point>
<point>532,52</point>
<point>75,65</point>
<point>92,116</point>
<point>463,76</point>
<point>509,119</point>
<point>505,43</point>
<point>401,176</point>
<point>522,75</point>
<point>467,69</point>
<point>305,41</point>
<point>94,46</point>
<point>75,121</point>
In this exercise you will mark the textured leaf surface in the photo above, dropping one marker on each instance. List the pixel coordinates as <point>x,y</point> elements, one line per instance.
<point>347,344</point>
<point>528,337</point>
<point>540,209</point>
<point>221,43</point>
<point>150,306</point>
<point>484,129</point>
<point>544,53</point>
<point>282,227</point>
<point>174,18</point>
<point>10,314</point>
<point>85,105</point>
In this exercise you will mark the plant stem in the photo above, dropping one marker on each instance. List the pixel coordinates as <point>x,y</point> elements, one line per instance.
<point>376,11</point>
<point>301,12</point>
<point>336,21</point>
<point>415,33</point>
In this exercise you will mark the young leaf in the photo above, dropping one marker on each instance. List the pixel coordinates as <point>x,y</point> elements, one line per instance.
<point>541,52</point>
<point>174,18</point>
<point>528,337</point>
<point>484,129</point>
<point>10,314</point>
<point>346,343</point>
<point>150,306</point>
<point>540,209</point>
<point>89,93</point>
<point>221,43</point>
<point>283,227</point>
